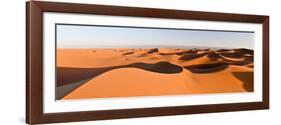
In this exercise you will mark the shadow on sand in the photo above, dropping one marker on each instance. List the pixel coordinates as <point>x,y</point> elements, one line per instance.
<point>247,78</point>
<point>207,68</point>
<point>190,56</point>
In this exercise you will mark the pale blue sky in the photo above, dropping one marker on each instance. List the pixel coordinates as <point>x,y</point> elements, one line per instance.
<point>76,36</point>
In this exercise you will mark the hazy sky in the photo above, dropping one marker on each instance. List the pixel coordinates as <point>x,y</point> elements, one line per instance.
<point>73,36</point>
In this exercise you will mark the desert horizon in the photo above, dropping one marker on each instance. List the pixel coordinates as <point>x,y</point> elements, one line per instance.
<point>84,73</point>
<point>153,46</point>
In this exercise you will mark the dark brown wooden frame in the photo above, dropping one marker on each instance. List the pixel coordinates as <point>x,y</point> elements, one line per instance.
<point>34,61</point>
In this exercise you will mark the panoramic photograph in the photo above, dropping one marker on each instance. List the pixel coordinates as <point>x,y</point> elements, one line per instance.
<point>119,61</point>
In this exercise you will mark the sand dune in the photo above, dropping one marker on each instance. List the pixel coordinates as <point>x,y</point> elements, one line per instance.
<point>126,72</point>
<point>130,81</point>
<point>149,85</point>
<point>72,75</point>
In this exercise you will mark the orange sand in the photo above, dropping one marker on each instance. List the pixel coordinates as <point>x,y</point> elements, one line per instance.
<point>153,72</point>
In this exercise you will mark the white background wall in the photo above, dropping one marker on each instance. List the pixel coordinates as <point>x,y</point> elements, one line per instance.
<point>12,61</point>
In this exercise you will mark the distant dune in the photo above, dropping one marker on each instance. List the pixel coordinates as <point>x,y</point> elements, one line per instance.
<point>127,72</point>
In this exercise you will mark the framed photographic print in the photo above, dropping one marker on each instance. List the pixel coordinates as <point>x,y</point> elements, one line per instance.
<point>95,62</point>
